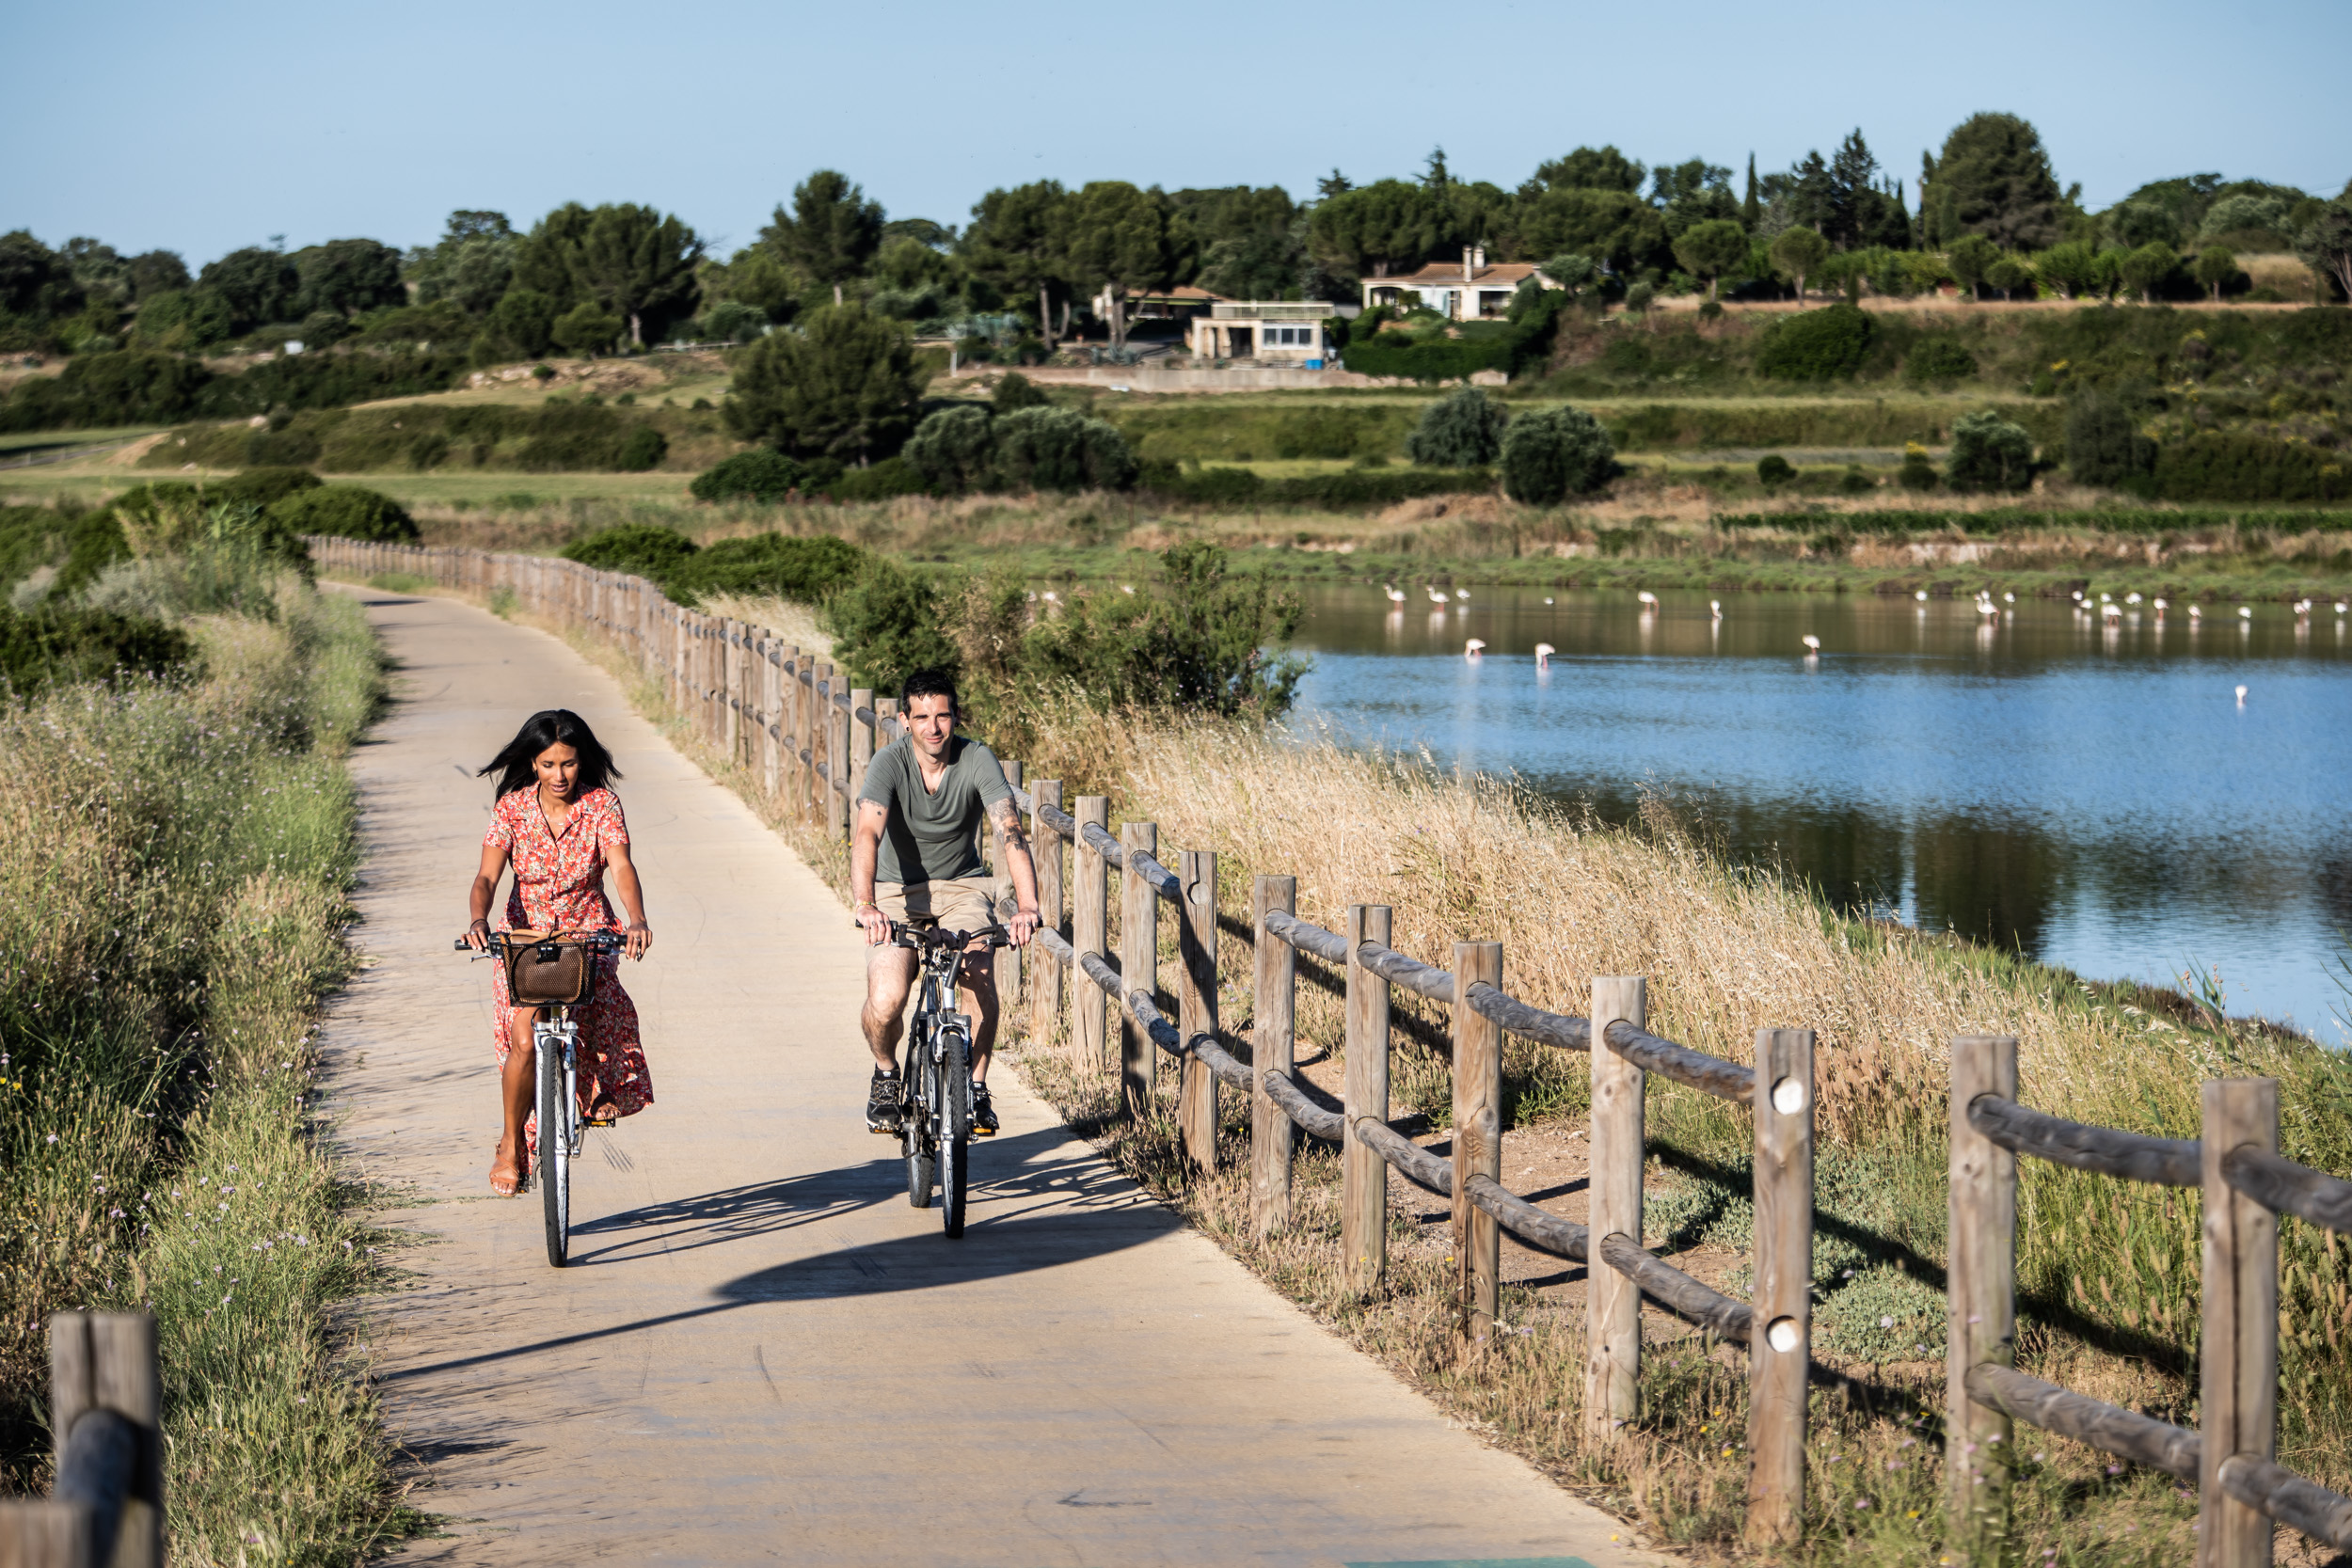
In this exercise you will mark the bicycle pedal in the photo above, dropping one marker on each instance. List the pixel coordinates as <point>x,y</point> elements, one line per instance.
<point>978,1131</point>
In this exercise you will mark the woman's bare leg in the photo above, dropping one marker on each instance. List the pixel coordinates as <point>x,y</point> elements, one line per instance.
<point>517,1082</point>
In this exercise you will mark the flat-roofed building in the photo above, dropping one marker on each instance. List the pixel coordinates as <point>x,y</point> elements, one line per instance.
<point>1278,332</point>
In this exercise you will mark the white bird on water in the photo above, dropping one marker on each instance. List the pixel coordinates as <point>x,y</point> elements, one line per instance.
<point>1812,643</point>
<point>1396,594</point>
<point>1543,656</point>
<point>2339,608</point>
<point>2195,613</point>
<point>2244,613</point>
<point>2160,606</point>
<point>2009,598</point>
<point>1716,607</point>
<point>1648,597</point>
<point>2112,611</point>
<point>1921,596</point>
<point>2341,605</point>
<point>2241,696</point>
<point>2131,598</point>
<point>1461,593</point>
<point>1474,647</point>
<point>1436,597</point>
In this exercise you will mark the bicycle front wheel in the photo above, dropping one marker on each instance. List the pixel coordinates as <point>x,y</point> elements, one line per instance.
<point>915,1124</point>
<point>955,1120</point>
<point>555,1148</point>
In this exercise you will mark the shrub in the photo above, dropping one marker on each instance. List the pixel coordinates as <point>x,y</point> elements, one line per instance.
<point>843,388</point>
<point>1938,359</point>
<point>876,481</point>
<point>2102,444</point>
<point>1462,430</point>
<point>586,329</point>
<point>1431,359</point>
<point>1016,392</point>
<point>261,486</point>
<point>1919,471</point>
<point>803,569</point>
<point>1552,453</point>
<point>955,450</point>
<point>1054,448</point>
<point>347,512</point>
<point>76,547</point>
<point>2238,467</point>
<point>732,320</point>
<point>1773,468</point>
<point>1195,643</point>
<point>643,449</point>
<point>635,549</point>
<point>761,474</point>
<point>1989,454</point>
<point>1815,345</point>
<point>526,319</point>
<point>57,644</point>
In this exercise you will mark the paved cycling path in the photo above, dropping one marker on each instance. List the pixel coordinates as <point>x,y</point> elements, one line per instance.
<point>761,1352</point>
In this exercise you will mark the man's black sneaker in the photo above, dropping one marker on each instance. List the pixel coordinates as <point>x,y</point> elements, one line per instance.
<point>983,1113</point>
<point>883,1111</point>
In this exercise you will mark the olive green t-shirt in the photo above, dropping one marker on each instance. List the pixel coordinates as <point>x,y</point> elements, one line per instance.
<point>932,835</point>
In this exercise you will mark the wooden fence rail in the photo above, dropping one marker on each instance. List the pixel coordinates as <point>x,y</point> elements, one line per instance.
<point>105,1414</point>
<point>786,716</point>
<point>2245,1183</point>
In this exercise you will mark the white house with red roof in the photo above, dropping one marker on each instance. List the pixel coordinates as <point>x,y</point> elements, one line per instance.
<point>1469,290</point>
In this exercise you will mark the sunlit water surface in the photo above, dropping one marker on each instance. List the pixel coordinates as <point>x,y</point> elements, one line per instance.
<point>2092,791</point>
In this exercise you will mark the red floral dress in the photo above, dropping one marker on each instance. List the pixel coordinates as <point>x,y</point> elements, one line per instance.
<point>559,884</point>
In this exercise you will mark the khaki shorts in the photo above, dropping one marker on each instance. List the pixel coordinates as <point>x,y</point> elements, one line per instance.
<point>964,904</point>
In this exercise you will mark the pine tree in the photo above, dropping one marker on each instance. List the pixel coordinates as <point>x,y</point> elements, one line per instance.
<point>1751,209</point>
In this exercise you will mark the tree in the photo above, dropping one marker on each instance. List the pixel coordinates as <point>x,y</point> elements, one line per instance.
<point>347,275</point>
<point>1602,168</point>
<point>1125,238</point>
<point>2008,275</point>
<point>2069,268</point>
<point>526,319</point>
<point>1691,193</point>
<point>1989,454</point>
<point>1847,189</point>
<point>637,263</point>
<point>832,232</point>
<point>1711,249</point>
<point>1014,243</point>
<point>954,450</point>
<point>1618,229</point>
<point>1549,454</point>
<point>2145,269</point>
<point>1059,449</point>
<point>542,261</point>
<point>155,272</point>
<point>1994,180</point>
<point>258,285</point>
<point>472,265</point>
<point>34,280</point>
<point>1571,271</point>
<point>1971,257</point>
<point>1461,430</point>
<point>845,386</point>
<point>1639,297</point>
<point>2325,246</point>
<point>586,329</point>
<point>1374,229</point>
<point>1751,209</point>
<point>1797,252</point>
<point>2215,265</point>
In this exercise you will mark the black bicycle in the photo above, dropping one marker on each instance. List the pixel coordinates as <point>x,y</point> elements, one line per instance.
<point>935,1117</point>
<point>555,1043</point>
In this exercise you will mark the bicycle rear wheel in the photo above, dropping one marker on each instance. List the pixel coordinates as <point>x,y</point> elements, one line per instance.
<point>955,1129</point>
<point>555,1146</point>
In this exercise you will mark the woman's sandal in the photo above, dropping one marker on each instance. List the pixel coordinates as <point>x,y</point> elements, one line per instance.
<point>504,1184</point>
<point>604,1113</point>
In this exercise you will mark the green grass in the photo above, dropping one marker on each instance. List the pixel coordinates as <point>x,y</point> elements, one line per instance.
<point>27,443</point>
<point>174,866</point>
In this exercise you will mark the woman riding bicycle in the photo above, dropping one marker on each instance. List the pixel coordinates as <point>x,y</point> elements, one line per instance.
<point>560,827</point>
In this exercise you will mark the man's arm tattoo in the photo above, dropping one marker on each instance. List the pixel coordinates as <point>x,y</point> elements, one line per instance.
<point>1009,824</point>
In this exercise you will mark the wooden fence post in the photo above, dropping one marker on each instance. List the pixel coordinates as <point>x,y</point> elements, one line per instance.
<point>2238,1357</point>
<point>1089,1035</point>
<point>1272,1049</point>
<point>1780,1342</point>
<point>1139,966</point>
<point>1196,968</point>
<point>771,748</point>
<point>862,739</point>
<point>1477,1137</point>
<point>1008,959</point>
<point>837,765</point>
<point>1044,969</point>
<point>730,699</point>
<point>1363,1174</point>
<point>96,1361</point>
<point>1980,1302</point>
<point>1613,1313</point>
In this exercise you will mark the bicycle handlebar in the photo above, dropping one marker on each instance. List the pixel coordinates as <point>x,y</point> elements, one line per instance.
<point>934,939</point>
<point>602,942</point>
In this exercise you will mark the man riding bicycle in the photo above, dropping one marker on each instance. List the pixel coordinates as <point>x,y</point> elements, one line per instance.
<point>915,858</point>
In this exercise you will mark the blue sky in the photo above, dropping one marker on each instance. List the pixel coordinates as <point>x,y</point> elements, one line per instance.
<point>201,129</point>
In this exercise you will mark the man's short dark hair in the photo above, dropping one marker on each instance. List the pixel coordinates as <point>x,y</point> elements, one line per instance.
<point>929,683</point>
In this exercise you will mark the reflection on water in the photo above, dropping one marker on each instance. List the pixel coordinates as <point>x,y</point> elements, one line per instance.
<point>2088,787</point>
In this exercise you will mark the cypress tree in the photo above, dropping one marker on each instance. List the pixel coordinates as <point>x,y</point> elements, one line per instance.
<point>1751,209</point>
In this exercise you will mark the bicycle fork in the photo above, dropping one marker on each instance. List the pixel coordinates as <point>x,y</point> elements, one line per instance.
<point>563,1035</point>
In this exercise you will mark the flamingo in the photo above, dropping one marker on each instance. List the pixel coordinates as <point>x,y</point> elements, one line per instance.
<point>2160,606</point>
<point>2339,608</point>
<point>2112,611</point>
<point>1475,647</point>
<point>2241,696</point>
<point>1716,607</point>
<point>1543,656</point>
<point>2303,606</point>
<point>2195,613</point>
<point>2009,598</point>
<point>2107,598</point>
<point>2244,613</point>
<point>2131,598</point>
<point>1648,598</point>
<point>1396,594</point>
<point>1438,598</point>
<point>1921,596</point>
<point>1462,593</point>
<point>1052,597</point>
<point>1812,644</point>
<point>2341,605</point>
<point>1126,588</point>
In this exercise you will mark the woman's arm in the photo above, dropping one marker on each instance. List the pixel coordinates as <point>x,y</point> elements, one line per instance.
<point>632,895</point>
<point>486,887</point>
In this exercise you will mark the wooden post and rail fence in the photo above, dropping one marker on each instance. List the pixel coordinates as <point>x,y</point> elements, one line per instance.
<point>767,705</point>
<point>106,1410</point>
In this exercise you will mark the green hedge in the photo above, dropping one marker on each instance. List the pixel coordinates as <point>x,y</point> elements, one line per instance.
<point>59,644</point>
<point>2001,520</point>
<point>2235,467</point>
<point>805,569</point>
<point>347,512</point>
<point>133,386</point>
<point>1436,358</point>
<point>1351,488</point>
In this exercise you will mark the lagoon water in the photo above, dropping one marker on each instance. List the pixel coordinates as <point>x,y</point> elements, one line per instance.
<point>2091,792</point>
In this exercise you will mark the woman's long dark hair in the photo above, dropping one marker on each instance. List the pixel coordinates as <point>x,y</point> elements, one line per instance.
<point>555,726</point>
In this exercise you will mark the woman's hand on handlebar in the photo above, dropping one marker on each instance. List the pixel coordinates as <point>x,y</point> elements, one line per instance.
<point>639,938</point>
<point>874,922</point>
<point>477,936</point>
